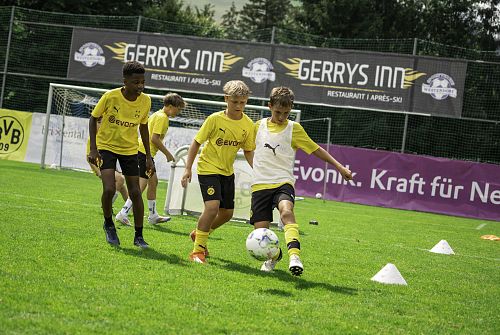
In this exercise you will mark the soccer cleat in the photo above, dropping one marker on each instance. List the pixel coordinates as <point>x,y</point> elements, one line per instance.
<point>198,257</point>
<point>270,264</point>
<point>139,241</point>
<point>295,267</point>
<point>123,219</point>
<point>155,219</point>
<point>111,236</point>
<point>193,238</point>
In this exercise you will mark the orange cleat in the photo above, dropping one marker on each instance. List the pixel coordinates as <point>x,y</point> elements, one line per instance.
<point>198,257</point>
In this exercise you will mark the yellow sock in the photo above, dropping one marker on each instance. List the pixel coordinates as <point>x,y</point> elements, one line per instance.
<point>200,243</point>
<point>292,238</point>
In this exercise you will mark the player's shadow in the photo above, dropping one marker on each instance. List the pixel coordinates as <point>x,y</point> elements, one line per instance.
<point>152,254</point>
<point>300,283</point>
<point>276,292</point>
<point>166,229</point>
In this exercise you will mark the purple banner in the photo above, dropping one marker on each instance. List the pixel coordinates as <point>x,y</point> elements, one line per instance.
<point>394,180</point>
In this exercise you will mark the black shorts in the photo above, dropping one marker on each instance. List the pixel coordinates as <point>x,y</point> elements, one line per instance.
<point>142,165</point>
<point>218,187</point>
<point>264,201</point>
<point>128,163</point>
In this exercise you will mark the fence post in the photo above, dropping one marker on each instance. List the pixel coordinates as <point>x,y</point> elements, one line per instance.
<point>139,24</point>
<point>5,65</point>
<point>405,128</point>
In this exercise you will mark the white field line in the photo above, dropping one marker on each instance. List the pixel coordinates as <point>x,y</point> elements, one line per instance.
<point>481,226</point>
<point>399,245</point>
<point>355,213</point>
<point>38,199</point>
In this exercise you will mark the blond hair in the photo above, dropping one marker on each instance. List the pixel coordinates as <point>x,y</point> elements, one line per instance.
<point>236,88</point>
<point>174,99</point>
<point>282,96</point>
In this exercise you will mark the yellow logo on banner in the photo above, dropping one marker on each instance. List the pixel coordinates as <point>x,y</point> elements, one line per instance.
<point>14,133</point>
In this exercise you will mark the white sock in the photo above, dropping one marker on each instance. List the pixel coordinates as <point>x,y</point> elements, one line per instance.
<point>127,207</point>
<point>152,208</point>
<point>115,197</point>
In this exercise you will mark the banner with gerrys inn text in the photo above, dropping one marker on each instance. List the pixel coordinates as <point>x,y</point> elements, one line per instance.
<point>345,78</point>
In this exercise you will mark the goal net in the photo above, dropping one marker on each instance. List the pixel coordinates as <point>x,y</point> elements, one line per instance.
<point>65,135</point>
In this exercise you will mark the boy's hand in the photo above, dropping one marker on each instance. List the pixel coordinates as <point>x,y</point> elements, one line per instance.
<point>186,178</point>
<point>94,158</point>
<point>346,173</point>
<point>150,168</point>
<point>169,156</point>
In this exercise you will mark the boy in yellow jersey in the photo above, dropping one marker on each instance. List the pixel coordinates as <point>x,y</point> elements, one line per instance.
<point>224,132</point>
<point>123,110</point>
<point>119,179</point>
<point>277,139</point>
<point>158,126</point>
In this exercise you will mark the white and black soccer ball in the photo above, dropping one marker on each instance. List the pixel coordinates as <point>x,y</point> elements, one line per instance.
<point>262,244</point>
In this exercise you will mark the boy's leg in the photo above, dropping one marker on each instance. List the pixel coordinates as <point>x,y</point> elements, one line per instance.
<point>108,191</point>
<point>226,209</point>
<point>122,216</point>
<point>210,186</point>
<point>120,185</point>
<point>130,168</point>
<point>262,214</point>
<point>284,201</point>
<point>200,249</point>
<point>154,217</point>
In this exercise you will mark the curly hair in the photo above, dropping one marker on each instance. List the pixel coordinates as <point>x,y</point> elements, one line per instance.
<point>236,88</point>
<point>282,96</point>
<point>131,67</point>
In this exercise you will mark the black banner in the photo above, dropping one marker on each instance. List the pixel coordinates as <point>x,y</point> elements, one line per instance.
<point>346,78</point>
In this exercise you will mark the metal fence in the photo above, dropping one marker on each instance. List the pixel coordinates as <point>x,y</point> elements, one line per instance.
<point>35,45</point>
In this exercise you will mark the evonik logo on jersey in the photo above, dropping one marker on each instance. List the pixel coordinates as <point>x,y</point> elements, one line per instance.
<point>113,119</point>
<point>220,142</point>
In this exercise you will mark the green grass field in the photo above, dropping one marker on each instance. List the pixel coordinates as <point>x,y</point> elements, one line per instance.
<point>59,276</point>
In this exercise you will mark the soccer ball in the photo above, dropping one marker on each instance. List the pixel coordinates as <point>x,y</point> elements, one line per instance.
<point>319,195</point>
<point>262,244</point>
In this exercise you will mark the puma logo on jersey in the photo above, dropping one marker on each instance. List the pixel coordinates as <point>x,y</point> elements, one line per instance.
<point>116,109</point>
<point>267,145</point>
<point>223,130</point>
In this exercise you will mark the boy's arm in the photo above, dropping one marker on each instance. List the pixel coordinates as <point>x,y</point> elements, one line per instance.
<point>143,130</point>
<point>156,140</point>
<point>192,152</point>
<point>324,155</point>
<point>249,157</point>
<point>93,157</point>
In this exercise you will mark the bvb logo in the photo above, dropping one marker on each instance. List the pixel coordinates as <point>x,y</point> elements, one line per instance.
<point>210,191</point>
<point>11,134</point>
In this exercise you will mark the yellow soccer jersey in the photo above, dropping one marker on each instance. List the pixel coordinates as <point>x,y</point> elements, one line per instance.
<point>157,124</point>
<point>300,140</point>
<point>120,120</point>
<point>224,137</point>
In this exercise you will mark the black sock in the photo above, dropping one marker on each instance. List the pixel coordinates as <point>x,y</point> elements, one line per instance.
<point>138,231</point>
<point>109,221</point>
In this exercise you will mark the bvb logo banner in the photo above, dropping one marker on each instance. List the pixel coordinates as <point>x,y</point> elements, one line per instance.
<point>14,133</point>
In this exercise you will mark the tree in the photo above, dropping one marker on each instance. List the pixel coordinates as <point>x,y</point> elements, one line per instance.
<point>263,14</point>
<point>90,7</point>
<point>466,23</point>
<point>230,23</point>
